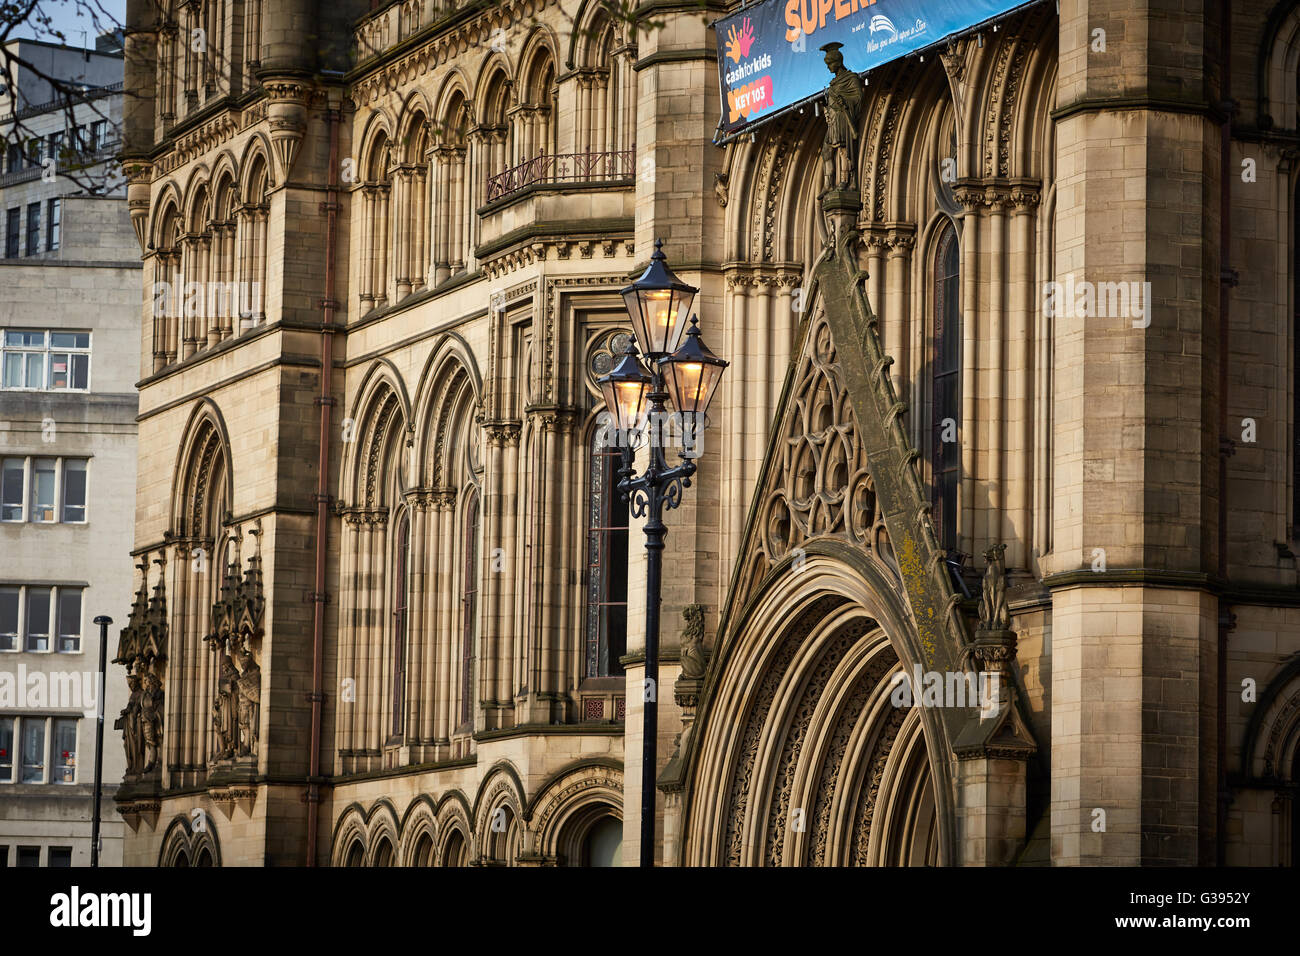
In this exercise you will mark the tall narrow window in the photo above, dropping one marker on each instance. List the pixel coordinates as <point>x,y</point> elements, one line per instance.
<point>945,357</point>
<point>11,489</point>
<point>43,471</point>
<point>6,750</point>
<point>64,756</point>
<point>33,228</point>
<point>607,525</point>
<point>38,619</point>
<point>401,590</point>
<point>13,231</point>
<point>53,212</point>
<point>469,600</point>
<point>69,623</point>
<point>33,734</point>
<point>8,619</point>
<point>74,489</point>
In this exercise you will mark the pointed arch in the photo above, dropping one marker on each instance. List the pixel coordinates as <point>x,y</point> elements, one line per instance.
<point>203,488</point>
<point>380,413</point>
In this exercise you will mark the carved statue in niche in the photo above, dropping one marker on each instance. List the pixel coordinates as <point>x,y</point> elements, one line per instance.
<point>994,615</point>
<point>151,718</point>
<point>844,98</point>
<point>693,659</point>
<point>129,723</point>
<point>223,710</point>
<point>249,688</point>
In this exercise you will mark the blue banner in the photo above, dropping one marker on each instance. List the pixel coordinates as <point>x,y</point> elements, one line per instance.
<point>770,55</point>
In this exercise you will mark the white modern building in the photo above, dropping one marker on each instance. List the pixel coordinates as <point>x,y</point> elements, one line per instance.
<point>69,337</point>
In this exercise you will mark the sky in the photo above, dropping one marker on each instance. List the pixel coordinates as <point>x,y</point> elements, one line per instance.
<point>72,17</point>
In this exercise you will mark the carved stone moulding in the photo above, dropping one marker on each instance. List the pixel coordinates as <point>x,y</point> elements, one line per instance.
<point>140,811</point>
<point>227,799</point>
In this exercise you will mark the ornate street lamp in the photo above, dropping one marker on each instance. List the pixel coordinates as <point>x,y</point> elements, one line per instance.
<point>657,304</point>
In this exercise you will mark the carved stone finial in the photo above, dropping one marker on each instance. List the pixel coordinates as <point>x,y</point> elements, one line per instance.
<point>693,658</point>
<point>994,615</point>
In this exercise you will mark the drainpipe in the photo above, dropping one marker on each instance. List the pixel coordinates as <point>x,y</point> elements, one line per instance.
<point>1227,279</point>
<point>319,596</point>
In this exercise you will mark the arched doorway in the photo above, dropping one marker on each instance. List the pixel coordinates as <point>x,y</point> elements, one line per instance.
<point>603,845</point>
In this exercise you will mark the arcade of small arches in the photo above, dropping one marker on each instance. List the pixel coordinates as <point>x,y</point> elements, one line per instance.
<point>575,819</point>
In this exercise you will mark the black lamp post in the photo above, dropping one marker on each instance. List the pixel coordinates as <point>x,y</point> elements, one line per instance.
<point>688,373</point>
<point>103,621</point>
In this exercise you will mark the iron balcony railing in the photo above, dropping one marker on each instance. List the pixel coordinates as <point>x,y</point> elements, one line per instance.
<point>615,166</point>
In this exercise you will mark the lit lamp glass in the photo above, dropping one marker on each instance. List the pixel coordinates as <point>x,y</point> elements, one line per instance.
<point>658,303</point>
<point>692,374</point>
<point>624,388</point>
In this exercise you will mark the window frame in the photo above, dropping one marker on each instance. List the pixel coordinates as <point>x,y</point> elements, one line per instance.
<point>32,230</point>
<point>604,461</point>
<point>54,639</point>
<point>48,351</point>
<point>945,388</point>
<point>27,488</point>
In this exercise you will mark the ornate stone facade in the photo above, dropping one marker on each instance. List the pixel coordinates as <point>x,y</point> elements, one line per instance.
<point>379,513</point>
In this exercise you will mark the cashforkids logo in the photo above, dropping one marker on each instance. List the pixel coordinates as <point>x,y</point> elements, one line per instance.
<point>748,98</point>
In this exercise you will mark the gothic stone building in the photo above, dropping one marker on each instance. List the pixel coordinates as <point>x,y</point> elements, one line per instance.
<point>390,604</point>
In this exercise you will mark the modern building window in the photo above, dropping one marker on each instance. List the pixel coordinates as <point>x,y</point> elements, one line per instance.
<point>54,145</point>
<point>607,542</point>
<point>945,382</point>
<point>69,621</point>
<point>13,478</point>
<point>29,856</point>
<point>60,856</point>
<point>37,358</point>
<point>14,160</point>
<point>74,490</point>
<point>37,631</point>
<point>4,856</point>
<point>32,733</point>
<point>33,152</point>
<point>469,602</point>
<point>13,228</point>
<point>6,750</point>
<point>401,591</point>
<point>64,756</point>
<point>45,611</point>
<point>98,135</point>
<point>52,480</point>
<point>44,472</point>
<point>9,597</point>
<point>33,228</point>
<point>53,214</point>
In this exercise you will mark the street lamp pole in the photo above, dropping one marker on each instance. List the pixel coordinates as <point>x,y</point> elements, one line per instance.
<point>684,370</point>
<point>103,621</point>
<point>658,487</point>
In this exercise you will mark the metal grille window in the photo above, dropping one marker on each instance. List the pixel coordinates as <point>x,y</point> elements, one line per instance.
<point>607,542</point>
<point>37,358</point>
<point>33,228</point>
<point>946,388</point>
